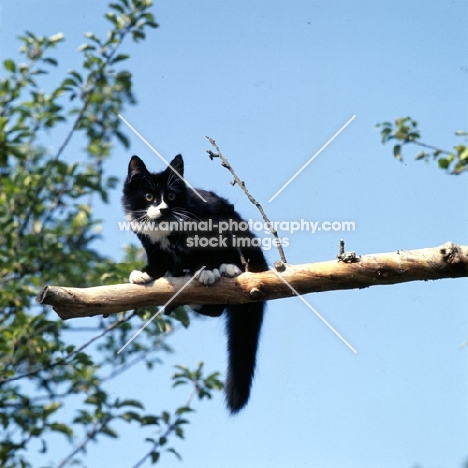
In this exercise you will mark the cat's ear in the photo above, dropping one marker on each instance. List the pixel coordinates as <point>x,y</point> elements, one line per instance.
<point>135,167</point>
<point>178,164</point>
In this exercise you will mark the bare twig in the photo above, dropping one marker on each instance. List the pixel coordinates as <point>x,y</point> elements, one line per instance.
<point>225,163</point>
<point>242,259</point>
<point>97,427</point>
<point>431,147</point>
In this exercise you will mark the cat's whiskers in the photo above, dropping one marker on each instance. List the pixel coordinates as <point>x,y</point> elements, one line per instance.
<point>144,217</point>
<point>184,212</point>
<point>140,223</point>
<point>184,215</point>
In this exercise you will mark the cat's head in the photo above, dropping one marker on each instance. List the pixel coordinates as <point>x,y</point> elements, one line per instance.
<point>154,196</point>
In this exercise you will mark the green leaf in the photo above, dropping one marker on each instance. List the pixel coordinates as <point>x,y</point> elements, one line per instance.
<point>86,46</point>
<point>386,134</point>
<point>137,35</point>
<point>112,17</point>
<point>130,416</point>
<point>119,58</point>
<point>397,152</point>
<point>184,409</point>
<point>166,416</point>
<point>462,152</point>
<point>10,65</point>
<point>50,60</point>
<point>134,403</point>
<point>180,314</point>
<point>171,450</point>
<point>93,37</point>
<point>117,7</point>
<point>125,79</point>
<point>59,37</point>
<point>51,408</point>
<point>150,20</point>
<point>443,163</point>
<point>77,76</point>
<point>63,428</point>
<point>459,168</point>
<point>109,432</point>
<point>150,420</point>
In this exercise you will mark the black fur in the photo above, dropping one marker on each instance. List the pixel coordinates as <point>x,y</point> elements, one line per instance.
<point>164,196</point>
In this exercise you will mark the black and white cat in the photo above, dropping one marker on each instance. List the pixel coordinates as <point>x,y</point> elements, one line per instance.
<point>151,202</point>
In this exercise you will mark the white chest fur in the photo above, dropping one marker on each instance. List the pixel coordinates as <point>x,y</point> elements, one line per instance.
<point>156,231</point>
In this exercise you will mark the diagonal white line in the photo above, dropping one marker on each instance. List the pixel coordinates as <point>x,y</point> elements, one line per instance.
<point>312,158</point>
<point>156,152</point>
<point>160,310</point>
<point>313,310</point>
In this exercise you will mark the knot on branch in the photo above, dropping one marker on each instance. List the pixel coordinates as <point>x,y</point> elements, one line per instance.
<point>453,257</point>
<point>256,293</point>
<point>346,257</point>
<point>279,266</point>
<point>450,253</point>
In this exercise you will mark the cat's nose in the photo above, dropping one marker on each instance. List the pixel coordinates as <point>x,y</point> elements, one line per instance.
<point>165,211</point>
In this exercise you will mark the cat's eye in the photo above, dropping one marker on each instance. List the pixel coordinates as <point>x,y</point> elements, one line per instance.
<point>149,197</point>
<point>171,196</point>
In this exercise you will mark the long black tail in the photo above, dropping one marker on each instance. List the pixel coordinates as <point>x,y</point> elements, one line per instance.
<point>243,325</point>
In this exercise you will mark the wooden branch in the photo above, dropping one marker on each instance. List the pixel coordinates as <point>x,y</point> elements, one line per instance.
<point>347,272</point>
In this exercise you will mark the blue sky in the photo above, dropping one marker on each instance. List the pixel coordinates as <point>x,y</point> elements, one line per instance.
<point>272,82</point>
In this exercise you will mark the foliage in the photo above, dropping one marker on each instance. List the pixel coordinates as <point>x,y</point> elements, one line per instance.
<point>405,131</point>
<point>47,231</point>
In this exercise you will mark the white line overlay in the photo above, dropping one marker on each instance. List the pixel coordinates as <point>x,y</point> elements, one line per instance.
<point>314,311</point>
<point>155,152</point>
<point>160,310</point>
<point>312,158</point>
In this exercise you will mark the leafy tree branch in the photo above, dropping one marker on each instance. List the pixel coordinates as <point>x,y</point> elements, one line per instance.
<point>47,229</point>
<point>405,131</point>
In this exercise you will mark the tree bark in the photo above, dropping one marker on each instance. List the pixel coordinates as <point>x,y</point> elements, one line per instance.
<point>346,272</point>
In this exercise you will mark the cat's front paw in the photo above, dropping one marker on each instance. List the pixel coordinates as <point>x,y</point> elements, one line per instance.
<point>208,276</point>
<point>139,277</point>
<point>230,270</point>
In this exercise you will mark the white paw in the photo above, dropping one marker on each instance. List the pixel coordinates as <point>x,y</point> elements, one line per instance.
<point>209,276</point>
<point>230,270</point>
<point>139,277</point>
